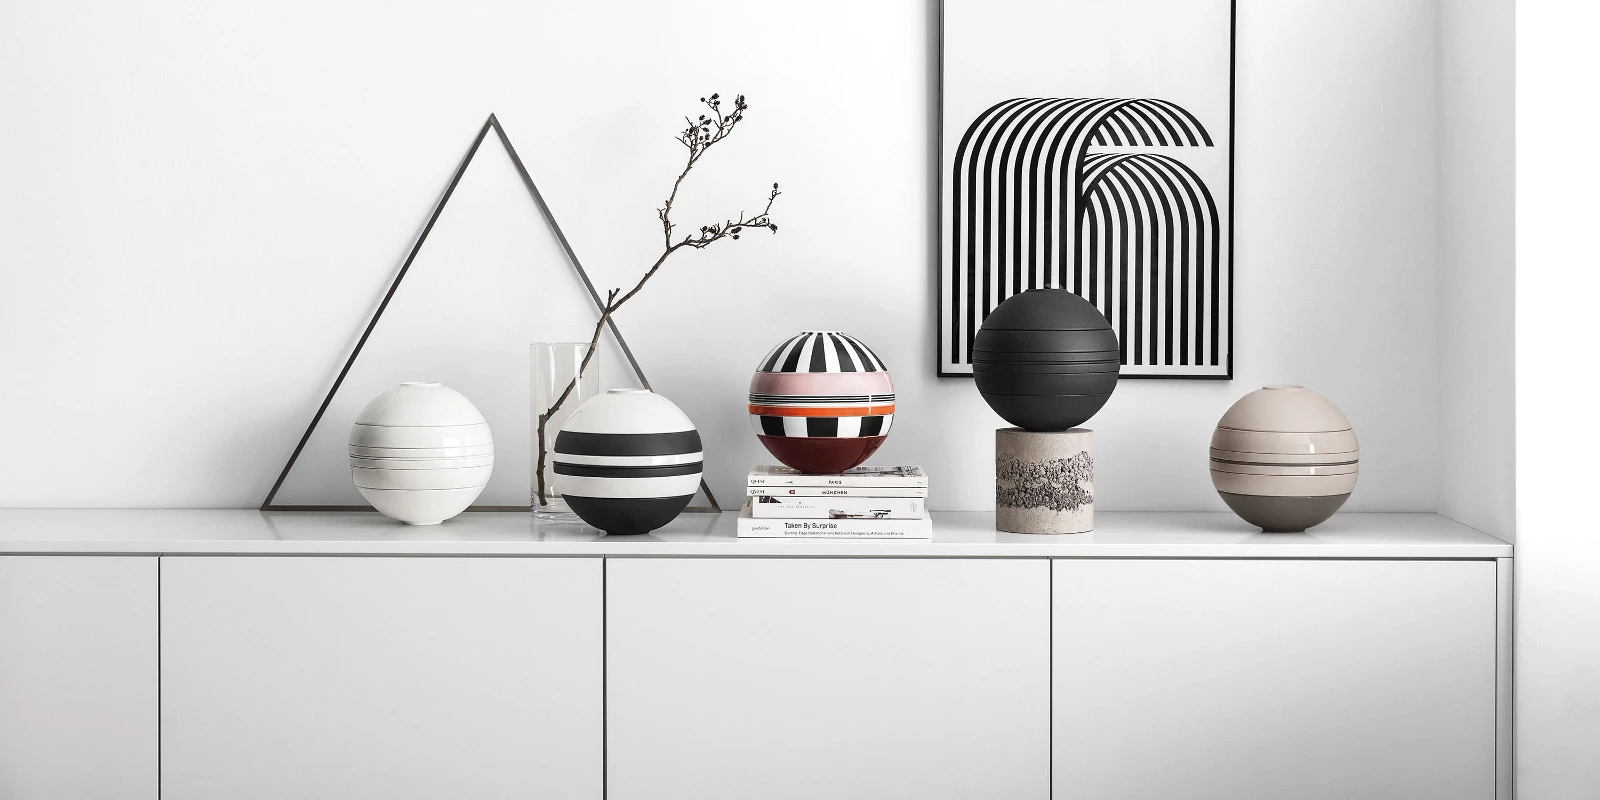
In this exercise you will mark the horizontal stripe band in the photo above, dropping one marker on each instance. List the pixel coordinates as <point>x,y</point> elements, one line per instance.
<point>1283,485</point>
<point>823,403</point>
<point>1282,433</point>
<point>1246,457</point>
<point>1300,471</point>
<point>417,464</point>
<point>630,461</point>
<point>824,383</point>
<point>475,425</point>
<point>627,444</point>
<point>1282,463</point>
<point>821,427</point>
<point>592,471</point>
<point>825,398</point>
<point>811,411</point>
<point>588,486</point>
<point>1033,394</point>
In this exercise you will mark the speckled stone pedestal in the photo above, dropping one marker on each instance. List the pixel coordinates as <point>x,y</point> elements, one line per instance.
<point>1044,481</point>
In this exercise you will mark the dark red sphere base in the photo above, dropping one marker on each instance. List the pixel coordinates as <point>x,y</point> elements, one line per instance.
<point>819,455</point>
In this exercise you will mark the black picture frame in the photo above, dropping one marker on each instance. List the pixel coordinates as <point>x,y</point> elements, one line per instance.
<point>940,186</point>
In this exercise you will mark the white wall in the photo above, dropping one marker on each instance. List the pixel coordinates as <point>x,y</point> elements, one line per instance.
<point>1558,541</point>
<point>1477,213</point>
<point>202,201</point>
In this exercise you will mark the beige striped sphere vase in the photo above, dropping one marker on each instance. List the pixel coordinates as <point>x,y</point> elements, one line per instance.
<point>1284,458</point>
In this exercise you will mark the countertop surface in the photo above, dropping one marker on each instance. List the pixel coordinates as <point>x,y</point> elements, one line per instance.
<point>956,534</point>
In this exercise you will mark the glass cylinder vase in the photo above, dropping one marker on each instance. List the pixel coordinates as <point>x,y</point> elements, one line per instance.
<point>556,366</point>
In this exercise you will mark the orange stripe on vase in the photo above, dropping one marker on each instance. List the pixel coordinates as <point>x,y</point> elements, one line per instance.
<point>806,411</point>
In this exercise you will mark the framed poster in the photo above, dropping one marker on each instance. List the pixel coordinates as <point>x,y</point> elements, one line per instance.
<point>1088,145</point>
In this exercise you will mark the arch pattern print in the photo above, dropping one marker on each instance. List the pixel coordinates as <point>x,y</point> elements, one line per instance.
<point>1020,189</point>
<point>1126,201</point>
<point>1150,246</point>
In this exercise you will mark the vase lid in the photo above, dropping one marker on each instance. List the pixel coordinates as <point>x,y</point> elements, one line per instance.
<point>821,351</point>
<point>420,404</point>
<point>1284,409</point>
<point>628,410</point>
<point>1046,310</point>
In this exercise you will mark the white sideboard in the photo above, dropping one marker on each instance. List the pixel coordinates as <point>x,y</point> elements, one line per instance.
<point>332,677</point>
<point>79,704</point>
<point>190,654</point>
<point>828,677</point>
<point>1275,679</point>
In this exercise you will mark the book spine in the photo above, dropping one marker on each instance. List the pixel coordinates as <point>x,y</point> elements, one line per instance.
<point>801,507</point>
<point>838,481</point>
<point>834,529</point>
<point>836,491</point>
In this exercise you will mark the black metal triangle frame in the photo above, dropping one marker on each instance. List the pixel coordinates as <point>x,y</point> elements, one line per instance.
<point>492,123</point>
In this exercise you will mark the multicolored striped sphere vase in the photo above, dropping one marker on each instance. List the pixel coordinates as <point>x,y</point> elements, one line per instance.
<point>821,402</point>
<point>627,461</point>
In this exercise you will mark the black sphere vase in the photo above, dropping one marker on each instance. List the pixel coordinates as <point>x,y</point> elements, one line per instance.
<point>1046,360</point>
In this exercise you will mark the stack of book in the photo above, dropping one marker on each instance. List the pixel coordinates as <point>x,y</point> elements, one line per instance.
<point>860,503</point>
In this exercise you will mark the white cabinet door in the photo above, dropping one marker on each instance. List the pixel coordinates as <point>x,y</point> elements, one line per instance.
<point>78,709</point>
<point>731,679</point>
<point>1240,679</point>
<point>391,678</point>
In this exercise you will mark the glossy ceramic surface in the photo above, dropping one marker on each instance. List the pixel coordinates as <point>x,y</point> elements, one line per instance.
<point>821,402</point>
<point>1284,469</point>
<point>419,404</point>
<point>1284,458</point>
<point>422,452</point>
<point>1325,443</point>
<point>1283,485</point>
<point>628,411</point>
<point>1284,514</point>
<point>627,461</point>
<point>465,478</point>
<point>1284,409</point>
<point>426,507</point>
<point>422,463</point>
<point>821,455</point>
<point>421,437</point>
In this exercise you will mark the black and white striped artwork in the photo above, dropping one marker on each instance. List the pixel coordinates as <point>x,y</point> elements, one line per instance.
<point>1090,149</point>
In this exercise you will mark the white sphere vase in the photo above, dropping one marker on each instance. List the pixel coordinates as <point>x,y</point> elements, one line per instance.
<point>421,453</point>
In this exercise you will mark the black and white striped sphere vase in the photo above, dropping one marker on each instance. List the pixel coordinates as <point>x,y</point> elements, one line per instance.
<point>821,402</point>
<point>627,461</point>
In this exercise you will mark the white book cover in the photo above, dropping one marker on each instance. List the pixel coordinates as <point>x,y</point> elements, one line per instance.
<point>837,491</point>
<point>773,475</point>
<point>751,528</point>
<point>818,507</point>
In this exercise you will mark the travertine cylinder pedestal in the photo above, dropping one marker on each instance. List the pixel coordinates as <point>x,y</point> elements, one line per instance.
<point>1044,481</point>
